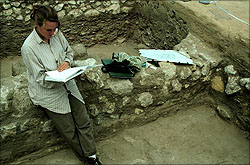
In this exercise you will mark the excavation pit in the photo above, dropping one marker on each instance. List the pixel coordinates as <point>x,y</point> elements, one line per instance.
<point>216,81</point>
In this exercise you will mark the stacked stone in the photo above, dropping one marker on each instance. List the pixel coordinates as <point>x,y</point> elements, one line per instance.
<point>20,10</point>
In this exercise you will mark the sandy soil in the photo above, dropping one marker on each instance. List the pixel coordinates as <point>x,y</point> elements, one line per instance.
<point>213,13</point>
<point>194,136</point>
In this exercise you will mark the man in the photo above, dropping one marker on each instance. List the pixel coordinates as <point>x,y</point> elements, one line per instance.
<point>47,49</point>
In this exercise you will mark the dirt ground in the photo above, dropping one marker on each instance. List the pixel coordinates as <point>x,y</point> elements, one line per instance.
<point>194,136</point>
<point>223,14</point>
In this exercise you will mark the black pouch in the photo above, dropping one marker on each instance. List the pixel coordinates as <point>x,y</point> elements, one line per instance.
<point>119,67</point>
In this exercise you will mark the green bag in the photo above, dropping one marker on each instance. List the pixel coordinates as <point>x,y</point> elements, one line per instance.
<point>134,62</point>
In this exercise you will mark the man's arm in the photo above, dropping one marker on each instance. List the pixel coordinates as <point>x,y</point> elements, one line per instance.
<point>36,68</point>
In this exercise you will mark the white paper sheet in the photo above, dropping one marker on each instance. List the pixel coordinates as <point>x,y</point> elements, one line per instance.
<point>165,55</point>
<point>67,74</point>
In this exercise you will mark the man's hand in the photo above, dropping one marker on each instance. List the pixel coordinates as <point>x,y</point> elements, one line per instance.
<point>64,65</point>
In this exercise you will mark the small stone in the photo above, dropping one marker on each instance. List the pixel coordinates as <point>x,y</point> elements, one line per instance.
<point>115,8</point>
<point>98,3</point>
<point>245,82</point>
<point>92,12</point>
<point>72,2</point>
<point>110,107</point>
<point>185,73</point>
<point>224,112</point>
<point>176,85</point>
<point>205,69</point>
<point>129,139</point>
<point>8,12</point>
<point>196,75</point>
<point>247,86</point>
<point>106,3</point>
<point>125,100</point>
<point>61,14</point>
<point>93,110</point>
<point>218,84</point>
<point>27,18</point>
<point>145,99</point>
<point>20,18</point>
<point>114,116</point>
<point>59,7</point>
<point>8,130</point>
<point>138,111</point>
<point>48,126</point>
<point>232,85</point>
<point>6,6</point>
<point>29,7</point>
<point>75,13</point>
<point>17,10</point>
<point>114,1</point>
<point>229,70</point>
<point>46,3</point>
<point>16,4</point>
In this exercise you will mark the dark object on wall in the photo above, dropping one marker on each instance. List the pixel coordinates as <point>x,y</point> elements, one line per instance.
<point>117,69</point>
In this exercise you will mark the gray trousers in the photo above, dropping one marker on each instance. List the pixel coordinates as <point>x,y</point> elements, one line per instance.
<point>76,128</point>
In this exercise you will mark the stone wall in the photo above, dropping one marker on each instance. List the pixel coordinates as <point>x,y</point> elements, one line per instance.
<point>91,22</point>
<point>16,23</point>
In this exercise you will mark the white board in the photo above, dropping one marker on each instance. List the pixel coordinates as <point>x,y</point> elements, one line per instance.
<point>165,55</point>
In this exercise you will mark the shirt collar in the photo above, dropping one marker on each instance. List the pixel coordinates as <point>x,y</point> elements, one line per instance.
<point>37,38</point>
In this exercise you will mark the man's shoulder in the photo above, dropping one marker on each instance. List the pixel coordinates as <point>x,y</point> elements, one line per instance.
<point>30,41</point>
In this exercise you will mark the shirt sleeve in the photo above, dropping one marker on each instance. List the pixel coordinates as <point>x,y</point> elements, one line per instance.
<point>36,68</point>
<point>68,50</point>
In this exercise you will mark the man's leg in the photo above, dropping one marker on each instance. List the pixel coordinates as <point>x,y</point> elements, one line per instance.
<point>66,127</point>
<point>83,126</point>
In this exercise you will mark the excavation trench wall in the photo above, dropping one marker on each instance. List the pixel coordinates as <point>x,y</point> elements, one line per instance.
<point>114,104</point>
<point>92,22</point>
<point>234,45</point>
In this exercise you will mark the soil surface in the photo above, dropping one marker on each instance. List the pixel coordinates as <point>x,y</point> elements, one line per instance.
<point>194,136</point>
<point>222,14</point>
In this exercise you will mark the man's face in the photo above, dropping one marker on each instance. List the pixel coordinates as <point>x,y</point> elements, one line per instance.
<point>46,30</point>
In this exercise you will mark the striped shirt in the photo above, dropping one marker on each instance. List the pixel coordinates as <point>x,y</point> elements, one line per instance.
<point>40,57</point>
